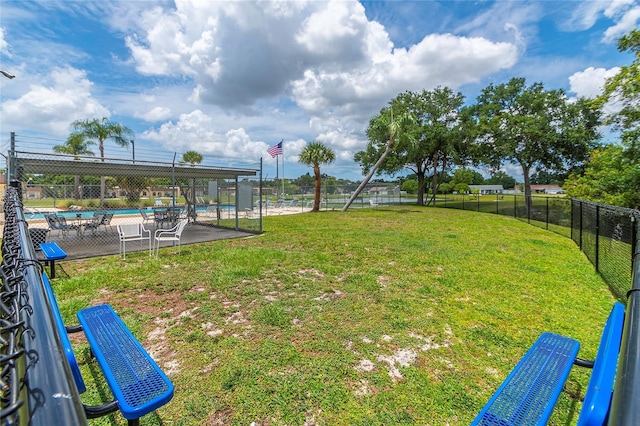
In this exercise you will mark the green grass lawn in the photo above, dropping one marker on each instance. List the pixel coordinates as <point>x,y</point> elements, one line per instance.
<point>385,316</point>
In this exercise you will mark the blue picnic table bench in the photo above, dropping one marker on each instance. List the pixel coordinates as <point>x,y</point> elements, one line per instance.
<point>51,252</point>
<point>529,393</point>
<point>137,383</point>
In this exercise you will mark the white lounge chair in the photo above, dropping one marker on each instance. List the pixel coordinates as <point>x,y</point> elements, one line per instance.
<point>174,234</point>
<point>132,232</point>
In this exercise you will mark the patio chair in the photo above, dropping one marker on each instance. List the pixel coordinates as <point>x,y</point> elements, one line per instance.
<point>95,222</point>
<point>175,214</point>
<point>106,221</point>
<point>293,203</point>
<point>132,232</point>
<point>59,223</point>
<point>174,234</point>
<point>145,217</point>
<point>160,216</point>
<point>373,204</point>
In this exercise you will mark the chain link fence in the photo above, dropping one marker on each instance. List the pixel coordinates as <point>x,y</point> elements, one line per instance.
<point>606,234</point>
<point>36,386</point>
<point>80,201</point>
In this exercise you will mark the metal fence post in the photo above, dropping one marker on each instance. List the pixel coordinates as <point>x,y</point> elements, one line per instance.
<point>634,240</point>
<point>546,220</point>
<point>571,222</point>
<point>581,222</point>
<point>597,265</point>
<point>11,160</point>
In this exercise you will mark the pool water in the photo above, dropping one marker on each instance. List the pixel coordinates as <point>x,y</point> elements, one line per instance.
<point>71,214</point>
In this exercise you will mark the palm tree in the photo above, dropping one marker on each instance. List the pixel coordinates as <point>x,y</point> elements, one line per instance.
<point>389,128</point>
<point>314,154</point>
<point>192,157</point>
<point>75,145</point>
<point>101,130</point>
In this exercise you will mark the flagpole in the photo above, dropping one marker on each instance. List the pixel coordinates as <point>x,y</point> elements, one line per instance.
<point>282,167</point>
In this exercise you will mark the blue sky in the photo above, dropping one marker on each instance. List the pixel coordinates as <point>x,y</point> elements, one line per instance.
<point>230,79</point>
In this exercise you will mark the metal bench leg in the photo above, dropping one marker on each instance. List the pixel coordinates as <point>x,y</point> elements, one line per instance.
<point>52,268</point>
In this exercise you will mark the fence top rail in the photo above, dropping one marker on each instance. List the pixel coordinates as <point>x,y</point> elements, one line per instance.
<point>36,163</point>
<point>635,214</point>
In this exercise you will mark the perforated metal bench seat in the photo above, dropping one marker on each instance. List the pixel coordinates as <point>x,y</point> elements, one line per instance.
<point>529,393</point>
<point>137,382</point>
<point>51,252</point>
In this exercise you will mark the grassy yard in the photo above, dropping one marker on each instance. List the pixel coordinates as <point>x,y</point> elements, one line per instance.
<point>383,316</point>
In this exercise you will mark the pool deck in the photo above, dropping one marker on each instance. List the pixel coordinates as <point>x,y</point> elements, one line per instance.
<point>84,243</point>
<point>105,242</point>
<point>109,243</point>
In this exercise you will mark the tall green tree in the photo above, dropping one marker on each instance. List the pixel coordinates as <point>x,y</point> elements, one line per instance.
<point>102,130</point>
<point>533,127</point>
<point>609,177</point>
<point>501,178</point>
<point>623,90</point>
<point>384,131</point>
<point>434,137</point>
<point>468,176</point>
<point>315,154</point>
<point>76,145</point>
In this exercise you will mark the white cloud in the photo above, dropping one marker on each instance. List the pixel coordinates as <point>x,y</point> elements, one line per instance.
<point>504,20</point>
<point>438,60</point>
<point>52,107</point>
<point>585,15</point>
<point>626,21</point>
<point>322,57</point>
<point>155,114</point>
<point>4,46</point>
<point>237,57</point>
<point>624,13</point>
<point>589,83</point>
<point>193,131</point>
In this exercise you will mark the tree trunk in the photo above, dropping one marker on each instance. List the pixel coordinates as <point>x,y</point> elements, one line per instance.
<point>421,187</point>
<point>76,187</point>
<point>369,175</point>
<point>434,186</point>
<point>436,180</point>
<point>103,181</point>
<point>318,182</point>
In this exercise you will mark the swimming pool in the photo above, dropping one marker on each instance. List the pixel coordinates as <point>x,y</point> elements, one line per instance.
<point>72,214</point>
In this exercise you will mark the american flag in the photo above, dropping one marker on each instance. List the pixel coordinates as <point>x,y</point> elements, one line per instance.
<point>276,150</point>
